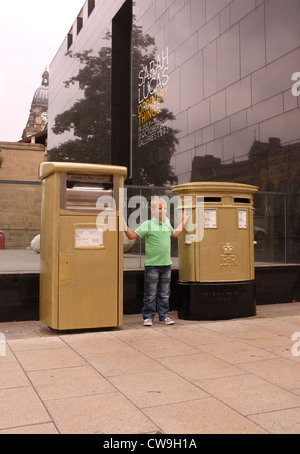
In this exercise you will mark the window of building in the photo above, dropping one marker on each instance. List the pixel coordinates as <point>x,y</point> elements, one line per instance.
<point>79,21</point>
<point>91,6</point>
<point>70,38</point>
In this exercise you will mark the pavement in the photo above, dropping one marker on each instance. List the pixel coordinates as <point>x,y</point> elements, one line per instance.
<point>239,376</point>
<point>27,261</point>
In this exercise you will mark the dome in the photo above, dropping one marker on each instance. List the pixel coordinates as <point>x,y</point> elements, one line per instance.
<point>40,97</point>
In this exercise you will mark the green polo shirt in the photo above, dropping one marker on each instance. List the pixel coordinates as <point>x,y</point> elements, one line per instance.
<point>158,243</point>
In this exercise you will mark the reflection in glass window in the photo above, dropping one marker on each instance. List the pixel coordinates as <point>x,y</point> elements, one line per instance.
<point>187,91</point>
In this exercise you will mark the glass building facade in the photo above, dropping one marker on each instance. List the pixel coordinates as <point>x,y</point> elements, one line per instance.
<point>188,90</point>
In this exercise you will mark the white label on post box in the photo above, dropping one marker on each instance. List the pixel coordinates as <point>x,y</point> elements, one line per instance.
<point>242,218</point>
<point>210,219</point>
<point>88,237</point>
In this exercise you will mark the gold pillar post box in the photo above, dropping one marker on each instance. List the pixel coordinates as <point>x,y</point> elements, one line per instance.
<point>81,278</point>
<point>216,251</point>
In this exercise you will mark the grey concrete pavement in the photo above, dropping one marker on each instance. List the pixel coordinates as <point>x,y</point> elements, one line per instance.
<point>28,261</point>
<point>19,260</point>
<point>239,376</point>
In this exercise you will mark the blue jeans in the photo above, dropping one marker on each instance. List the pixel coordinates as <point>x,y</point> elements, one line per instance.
<point>157,280</point>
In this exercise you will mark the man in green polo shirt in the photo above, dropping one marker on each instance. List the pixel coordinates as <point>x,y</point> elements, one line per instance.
<point>157,232</point>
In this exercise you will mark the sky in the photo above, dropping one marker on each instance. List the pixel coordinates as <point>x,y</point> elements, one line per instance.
<point>31,32</point>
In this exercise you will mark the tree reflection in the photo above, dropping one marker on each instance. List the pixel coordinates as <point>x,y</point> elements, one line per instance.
<point>89,119</point>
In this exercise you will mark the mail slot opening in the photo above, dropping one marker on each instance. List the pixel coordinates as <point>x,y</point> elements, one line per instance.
<point>82,192</point>
<point>212,199</point>
<point>241,200</point>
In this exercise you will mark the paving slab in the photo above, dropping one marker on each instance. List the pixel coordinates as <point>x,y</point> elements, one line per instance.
<point>237,376</point>
<point>202,416</point>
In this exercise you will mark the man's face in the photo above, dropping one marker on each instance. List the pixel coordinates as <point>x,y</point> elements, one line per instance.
<point>159,211</point>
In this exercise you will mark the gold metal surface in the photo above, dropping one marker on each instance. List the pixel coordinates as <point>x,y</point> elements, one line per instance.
<point>81,279</point>
<point>226,251</point>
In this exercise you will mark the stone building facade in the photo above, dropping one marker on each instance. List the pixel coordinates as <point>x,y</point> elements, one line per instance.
<point>20,191</point>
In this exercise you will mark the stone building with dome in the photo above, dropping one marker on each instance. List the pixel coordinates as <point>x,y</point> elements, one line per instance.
<point>38,116</point>
<point>19,183</point>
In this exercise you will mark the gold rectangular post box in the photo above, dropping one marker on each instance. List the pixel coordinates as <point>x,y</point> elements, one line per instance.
<point>81,279</point>
<point>216,251</point>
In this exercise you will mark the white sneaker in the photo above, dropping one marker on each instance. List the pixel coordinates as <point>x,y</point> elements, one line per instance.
<point>167,321</point>
<point>148,322</point>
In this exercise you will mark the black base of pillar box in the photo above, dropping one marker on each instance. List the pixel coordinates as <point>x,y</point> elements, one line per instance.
<point>216,300</point>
